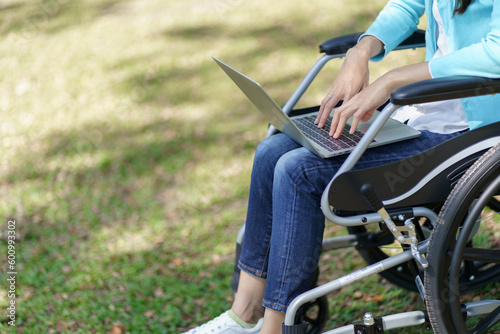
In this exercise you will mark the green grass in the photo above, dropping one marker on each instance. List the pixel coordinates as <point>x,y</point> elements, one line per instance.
<point>126,153</point>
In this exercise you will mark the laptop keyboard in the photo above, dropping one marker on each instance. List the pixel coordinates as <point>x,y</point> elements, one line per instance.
<point>322,137</point>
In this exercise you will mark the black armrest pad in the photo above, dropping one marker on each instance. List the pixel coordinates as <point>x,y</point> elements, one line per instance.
<point>417,40</point>
<point>445,88</point>
<point>340,45</point>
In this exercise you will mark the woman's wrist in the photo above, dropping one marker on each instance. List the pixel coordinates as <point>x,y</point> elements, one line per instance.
<point>405,75</point>
<point>391,80</point>
<point>362,54</point>
<point>369,46</point>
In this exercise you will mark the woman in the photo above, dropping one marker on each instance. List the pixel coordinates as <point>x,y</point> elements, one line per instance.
<point>284,227</point>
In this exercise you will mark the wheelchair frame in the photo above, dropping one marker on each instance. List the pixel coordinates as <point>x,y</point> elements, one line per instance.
<point>426,91</point>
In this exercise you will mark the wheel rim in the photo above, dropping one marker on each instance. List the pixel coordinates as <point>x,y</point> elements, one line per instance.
<point>461,248</point>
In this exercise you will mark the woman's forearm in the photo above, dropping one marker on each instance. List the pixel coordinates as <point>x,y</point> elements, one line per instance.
<point>405,75</point>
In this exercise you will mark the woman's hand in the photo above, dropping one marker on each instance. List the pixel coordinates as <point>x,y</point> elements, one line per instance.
<point>362,106</point>
<point>352,78</point>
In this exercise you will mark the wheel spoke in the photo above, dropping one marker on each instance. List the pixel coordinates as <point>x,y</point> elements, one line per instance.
<point>462,244</point>
<point>494,204</point>
<point>482,255</point>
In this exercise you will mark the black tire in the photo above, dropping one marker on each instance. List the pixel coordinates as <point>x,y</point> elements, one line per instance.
<point>461,226</point>
<point>316,314</point>
<point>316,311</point>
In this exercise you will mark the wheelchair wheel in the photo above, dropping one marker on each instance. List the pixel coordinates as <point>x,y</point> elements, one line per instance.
<point>464,252</point>
<point>315,312</point>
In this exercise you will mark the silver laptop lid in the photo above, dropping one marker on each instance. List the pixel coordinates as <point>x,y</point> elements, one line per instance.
<point>391,132</point>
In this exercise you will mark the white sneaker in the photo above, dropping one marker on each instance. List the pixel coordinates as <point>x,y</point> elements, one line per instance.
<point>225,324</point>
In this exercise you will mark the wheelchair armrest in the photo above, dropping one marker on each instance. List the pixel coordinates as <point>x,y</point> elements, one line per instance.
<point>340,45</point>
<point>445,88</point>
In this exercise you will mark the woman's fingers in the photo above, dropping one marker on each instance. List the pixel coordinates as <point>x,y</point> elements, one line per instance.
<point>339,120</point>
<point>328,103</point>
<point>322,108</point>
<point>361,107</point>
<point>360,117</point>
<point>357,108</point>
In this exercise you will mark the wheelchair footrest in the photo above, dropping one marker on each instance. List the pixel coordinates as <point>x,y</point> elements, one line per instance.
<point>400,320</point>
<point>369,325</point>
<point>295,329</point>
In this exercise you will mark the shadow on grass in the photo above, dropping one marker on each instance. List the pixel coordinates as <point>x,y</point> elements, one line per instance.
<point>141,291</point>
<point>27,17</point>
<point>102,247</point>
<point>174,83</point>
<point>108,163</point>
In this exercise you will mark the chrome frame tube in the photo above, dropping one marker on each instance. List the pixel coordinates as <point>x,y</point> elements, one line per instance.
<point>348,280</point>
<point>340,242</point>
<point>307,81</point>
<point>349,163</point>
<point>292,101</point>
<point>416,318</point>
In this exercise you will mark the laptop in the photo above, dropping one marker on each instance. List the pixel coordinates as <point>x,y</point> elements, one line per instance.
<point>302,128</point>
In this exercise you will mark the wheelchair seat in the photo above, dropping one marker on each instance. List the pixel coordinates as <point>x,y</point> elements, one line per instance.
<point>425,179</point>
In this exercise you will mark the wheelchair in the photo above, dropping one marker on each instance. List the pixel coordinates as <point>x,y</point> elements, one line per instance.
<point>441,207</point>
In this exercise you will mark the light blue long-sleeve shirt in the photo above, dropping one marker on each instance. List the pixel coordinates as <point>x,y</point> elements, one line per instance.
<point>473,41</point>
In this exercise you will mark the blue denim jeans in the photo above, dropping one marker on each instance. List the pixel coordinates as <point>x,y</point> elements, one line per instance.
<point>284,226</point>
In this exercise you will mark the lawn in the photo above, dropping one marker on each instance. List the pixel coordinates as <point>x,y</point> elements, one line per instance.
<point>126,154</point>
